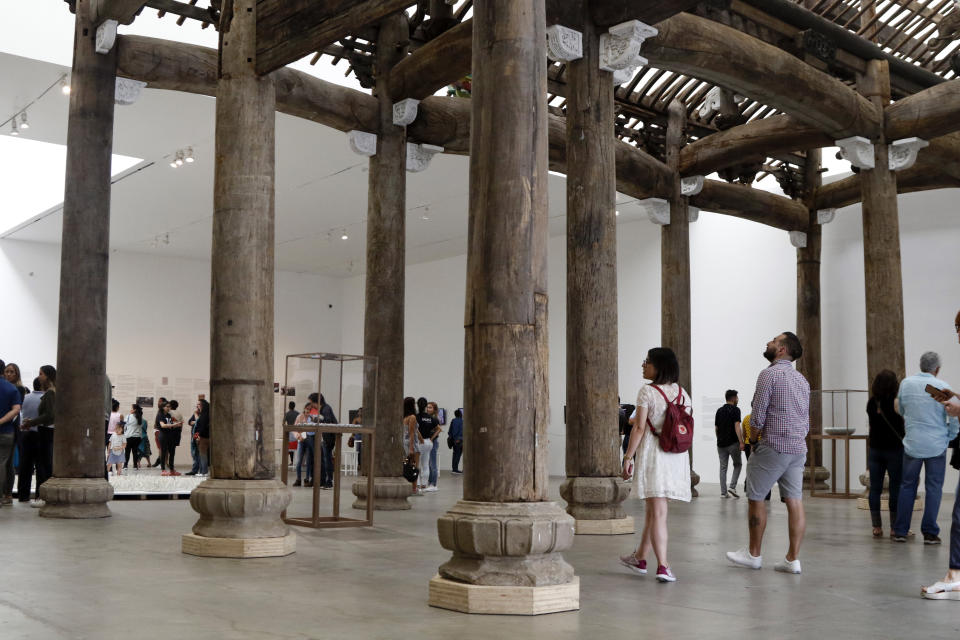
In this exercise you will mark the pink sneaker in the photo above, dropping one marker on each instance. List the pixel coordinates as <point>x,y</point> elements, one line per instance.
<point>665,575</point>
<point>637,566</point>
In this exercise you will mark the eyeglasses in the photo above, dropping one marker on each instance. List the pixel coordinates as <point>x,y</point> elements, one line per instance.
<point>645,362</point>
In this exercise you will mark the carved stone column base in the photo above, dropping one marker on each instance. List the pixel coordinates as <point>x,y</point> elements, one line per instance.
<point>605,527</point>
<point>521,601</point>
<point>595,498</point>
<point>821,475</point>
<point>240,509</point>
<point>76,498</point>
<point>389,494</point>
<point>195,545</point>
<point>513,544</point>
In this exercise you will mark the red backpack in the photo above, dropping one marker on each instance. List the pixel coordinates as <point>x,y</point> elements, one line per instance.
<point>676,434</point>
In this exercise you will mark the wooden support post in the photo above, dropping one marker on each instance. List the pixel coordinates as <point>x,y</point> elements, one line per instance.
<point>241,309</point>
<point>593,489</point>
<point>881,243</point>
<point>675,265</point>
<point>808,316</point>
<point>78,488</point>
<point>383,318</point>
<point>504,533</point>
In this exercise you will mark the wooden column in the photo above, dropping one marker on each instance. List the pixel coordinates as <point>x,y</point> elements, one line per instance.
<point>675,264</point>
<point>383,329</point>
<point>881,244</point>
<point>593,489</point>
<point>808,313</point>
<point>78,488</point>
<point>505,533</point>
<point>241,311</point>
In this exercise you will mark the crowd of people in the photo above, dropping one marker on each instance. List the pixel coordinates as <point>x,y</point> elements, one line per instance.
<point>26,432</point>
<point>913,426</point>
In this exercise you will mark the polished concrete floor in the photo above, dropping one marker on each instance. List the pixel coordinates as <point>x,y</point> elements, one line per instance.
<point>124,577</point>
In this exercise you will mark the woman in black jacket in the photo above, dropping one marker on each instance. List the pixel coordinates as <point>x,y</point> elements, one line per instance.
<point>203,436</point>
<point>884,446</point>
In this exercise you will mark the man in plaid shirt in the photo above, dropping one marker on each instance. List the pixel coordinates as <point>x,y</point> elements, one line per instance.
<point>781,415</point>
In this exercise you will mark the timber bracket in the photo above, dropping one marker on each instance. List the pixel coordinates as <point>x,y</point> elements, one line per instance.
<point>620,49</point>
<point>825,216</point>
<point>798,239</point>
<point>564,44</point>
<point>127,92</point>
<point>903,153</point>
<point>658,211</point>
<point>420,155</point>
<point>405,112</point>
<point>858,151</point>
<point>691,186</point>
<point>363,143</point>
<point>106,36</point>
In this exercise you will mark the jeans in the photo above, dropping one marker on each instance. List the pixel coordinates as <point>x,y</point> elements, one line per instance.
<point>29,450</point>
<point>306,456</point>
<point>424,450</point>
<point>133,444</point>
<point>203,455</point>
<point>434,471</point>
<point>195,454</point>
<point>326,465</point>
<point>6,457</point>
<point>8,467</point>
<point>879,462</point>
<point>955,532</point>
<point>725,453</point>
<point>457,452</point>
<point>934,469</point>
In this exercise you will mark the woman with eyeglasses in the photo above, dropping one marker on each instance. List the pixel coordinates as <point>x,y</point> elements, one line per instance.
<point>661,476</point>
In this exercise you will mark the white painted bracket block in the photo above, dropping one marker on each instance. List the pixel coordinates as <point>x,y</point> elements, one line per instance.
<point>713,102</point>
<point>657,210</point>
<point>419,156</point>
<point>902,154</point>
<point>691,186</point>
<point>564,44</point>
<point>693,214</point>
<point>825,216</point>
<point>362,142</point>
<point>798,239</point>
<point>126,91</point>
<point>858,151</point>
<point>620,48</point>
<point>405,112</point>
<point>106,36</point>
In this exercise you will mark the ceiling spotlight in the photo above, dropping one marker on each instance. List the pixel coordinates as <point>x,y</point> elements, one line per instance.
<point>23,121</point>
<point>64,86</point>
<point>344,236</point>
<point>616,213</point>
<point>173,164</point>
<point>179,160</point>
<point>13,128</point>
<point>189,155</point>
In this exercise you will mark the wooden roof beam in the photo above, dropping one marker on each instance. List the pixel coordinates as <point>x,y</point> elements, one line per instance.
<point>724,56</point>
<point>441,121</point>
<point>123,11</point>
<point>288,30</point>
<point>755,140</point>
<point>439,62</point>
<point>606,13</point>
<point>920,177</point>
<point>930,113</point>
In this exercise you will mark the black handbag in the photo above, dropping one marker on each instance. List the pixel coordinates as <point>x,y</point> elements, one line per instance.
<point>449,442</point>
<point>410,470</point>
<point>955,456</point>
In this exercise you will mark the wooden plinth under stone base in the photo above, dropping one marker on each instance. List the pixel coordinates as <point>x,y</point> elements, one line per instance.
<point>617,527</point>
<point>195,545</point>
<point>863,502</point>
<point>504,600</point>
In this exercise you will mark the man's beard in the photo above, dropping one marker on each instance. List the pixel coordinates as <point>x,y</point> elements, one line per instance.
<point>769,354</point>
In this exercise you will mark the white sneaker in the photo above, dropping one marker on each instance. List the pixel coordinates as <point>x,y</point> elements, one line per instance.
<point>431,488</point>
<point>37,503</point>
<point>786,566</point>
<point>743,558</point>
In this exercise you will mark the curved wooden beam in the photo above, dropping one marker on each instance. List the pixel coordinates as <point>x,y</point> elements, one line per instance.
<point>754,140</point>
<point>920,177</point>
<point>720,54</point>
<point>930,113</point>
<point>752,204</point>
<point>441,121</point>
<point>440,62</point>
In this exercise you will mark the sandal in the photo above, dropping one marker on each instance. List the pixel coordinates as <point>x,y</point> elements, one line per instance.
<point>877,532</point>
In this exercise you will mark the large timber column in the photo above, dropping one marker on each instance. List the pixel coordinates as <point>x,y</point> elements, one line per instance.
<point>78,488</point>
<point>808,314</point>
<point>505,533</point>
<point>383,318</point>
<point>881,243</point>
<point>240,504</point>
<point>675,265</point>
<point>593,489</point>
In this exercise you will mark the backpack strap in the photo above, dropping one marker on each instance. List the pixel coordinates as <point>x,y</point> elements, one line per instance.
<point>665,399</point>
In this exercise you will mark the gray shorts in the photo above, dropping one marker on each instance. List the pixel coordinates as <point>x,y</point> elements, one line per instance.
<point>768,467</point>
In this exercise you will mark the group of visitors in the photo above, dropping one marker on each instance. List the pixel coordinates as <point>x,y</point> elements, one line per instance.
<point>26,432</point>
<point>421,439</point>
<point>315,411</point>
<point>911,424</point>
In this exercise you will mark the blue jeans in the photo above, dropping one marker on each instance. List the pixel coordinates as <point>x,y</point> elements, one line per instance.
<point>880,462</point>
<point>195,454</point>
<point>434,471</point>
<point>306,456</point>
<point>933,484</point>
<point>955,532</point>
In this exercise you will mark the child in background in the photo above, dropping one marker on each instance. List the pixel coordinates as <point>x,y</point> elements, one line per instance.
<point>117,445</point>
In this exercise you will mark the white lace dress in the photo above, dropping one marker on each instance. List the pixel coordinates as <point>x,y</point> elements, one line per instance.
<point>660,474</point>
